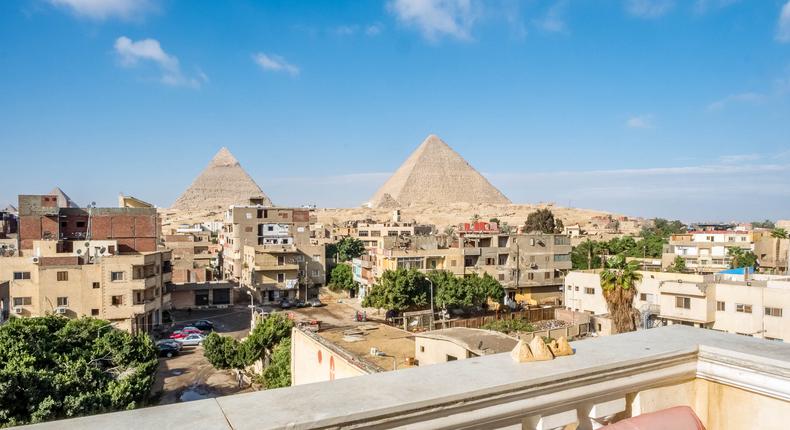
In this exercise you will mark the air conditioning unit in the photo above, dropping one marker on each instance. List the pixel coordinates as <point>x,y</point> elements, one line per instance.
<point>17,309</point>
<point>374,351</point>
<point>60,310</point>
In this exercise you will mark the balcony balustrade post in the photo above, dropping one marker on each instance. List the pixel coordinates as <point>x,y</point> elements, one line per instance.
<point>556,421</point>
<point>602,414</point>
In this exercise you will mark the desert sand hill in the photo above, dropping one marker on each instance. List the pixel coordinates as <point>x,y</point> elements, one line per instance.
<point>441,216</point>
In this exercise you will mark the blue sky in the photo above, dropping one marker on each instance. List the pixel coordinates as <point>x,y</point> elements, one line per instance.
<point>646,107</point>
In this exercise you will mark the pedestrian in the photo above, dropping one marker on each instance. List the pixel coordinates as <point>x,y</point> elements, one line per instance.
<point>240,377</point>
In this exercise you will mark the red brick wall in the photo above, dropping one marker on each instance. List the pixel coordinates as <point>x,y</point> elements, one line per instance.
<point>59,261</point>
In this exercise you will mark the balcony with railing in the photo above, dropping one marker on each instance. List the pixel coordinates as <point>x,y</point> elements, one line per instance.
<point>729,381</point>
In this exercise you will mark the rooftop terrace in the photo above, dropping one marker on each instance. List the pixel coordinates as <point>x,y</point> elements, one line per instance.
<point>730,381</point>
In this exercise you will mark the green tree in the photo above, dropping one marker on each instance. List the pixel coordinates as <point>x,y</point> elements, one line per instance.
<point>342,279</point>
<point>53,367</point>
<point>763,224</point>
<point>740,257</point>
<point>677,266</point>
<point>510,326</point>
<point>399,290</point>
<point>618,282</point>
<point>224,352</point>
<point>779,233</point>
<point>587,255</point>
<point>349,248</point>
<point>278,373</point>
<point>664,228</point>
<point>543,220</point>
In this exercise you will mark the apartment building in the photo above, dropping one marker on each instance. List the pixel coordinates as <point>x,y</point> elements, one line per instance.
<point>751,305</point>
<point>196,256</point>
<point>705,251</point>
<point>271,251</point>
<point>100,262</point>
<point>772,253</point>
<point>531,267</point>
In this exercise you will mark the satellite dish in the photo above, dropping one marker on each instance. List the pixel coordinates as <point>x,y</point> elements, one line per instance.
<point>93,204</point>
<point>87,244</point>
<point>79,252</point>
<point>103,250</point>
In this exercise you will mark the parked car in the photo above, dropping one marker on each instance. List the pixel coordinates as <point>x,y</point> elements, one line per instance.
<point>299,303</point>
<point>167,350</point>
<point>178,334</point>
<point>315,303</point>
<point>193,339</point>
<point>285,303</point>
<point>171,342</point>
<point>204,325</point>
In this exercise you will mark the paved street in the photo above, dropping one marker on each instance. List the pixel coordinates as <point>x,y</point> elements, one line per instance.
<point>189,376</point>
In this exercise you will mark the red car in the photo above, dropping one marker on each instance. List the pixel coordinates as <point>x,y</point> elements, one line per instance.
<point>179,334</point>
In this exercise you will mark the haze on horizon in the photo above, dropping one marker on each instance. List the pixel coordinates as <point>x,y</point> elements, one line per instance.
<point>642,107</point>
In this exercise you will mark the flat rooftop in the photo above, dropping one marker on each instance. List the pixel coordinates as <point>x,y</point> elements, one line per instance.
<point>480,342</point>
<point>358,340</point>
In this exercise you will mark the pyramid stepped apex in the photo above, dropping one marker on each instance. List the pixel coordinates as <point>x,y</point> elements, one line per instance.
<point>221,184</point>
<point>435,174</point>
<point>223,157</point>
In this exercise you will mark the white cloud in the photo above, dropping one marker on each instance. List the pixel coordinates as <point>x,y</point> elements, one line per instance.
<point>739,158</point>
<point>640,121</point>
<point>345,30</point>
<point>748,97</point>
<point>274,63</point>
<point>553,20</point>
<point>435,18</point>
<point>103,9</point>
<point>373,29</point>
<point>783,29</point>
<point>132,53</point>
<point>648,8</point>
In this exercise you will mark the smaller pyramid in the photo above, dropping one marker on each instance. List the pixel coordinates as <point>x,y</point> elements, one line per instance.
<point>221,184</point>
<point>435,174</point>
<point>64,201</point>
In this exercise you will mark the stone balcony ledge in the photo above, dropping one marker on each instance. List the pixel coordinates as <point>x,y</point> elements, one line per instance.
<point>607,375</point>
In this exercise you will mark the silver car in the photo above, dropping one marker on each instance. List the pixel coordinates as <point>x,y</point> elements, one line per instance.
<point>193,339</point>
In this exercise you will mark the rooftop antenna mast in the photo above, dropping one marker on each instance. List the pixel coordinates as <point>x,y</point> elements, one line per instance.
<point>90,215</point>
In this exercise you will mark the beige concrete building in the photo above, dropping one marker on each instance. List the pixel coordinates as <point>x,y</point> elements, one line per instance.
<point>531,267</point>
<point>772,253</point>
<point>749,305</point>
<point>450,344</point>
<point>129,290</point>
<point>271,251</point>
<point>705,251</point>
<point>100,262</point>
<point>345,352</point>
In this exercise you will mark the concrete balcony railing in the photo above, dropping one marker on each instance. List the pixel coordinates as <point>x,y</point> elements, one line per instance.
<point>730,381</point>
<point>274,267</point>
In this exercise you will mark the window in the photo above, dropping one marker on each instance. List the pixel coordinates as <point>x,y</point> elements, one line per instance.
<point>576,288</point>
<point>260,213</point>
<point>63,224</point>
<point>96,285</point>
<point>117,276</point>
<point>501,276</point>
<point>315,273</point>
<point>21,275</point>
<point>643,297</point>
<point>248,229</point>
<point>281,277</point>
<point>94,312</point>
<point>451,357</point>
<point>589,290</point>
<point>80,224</point>
<point>773,312</point>
<point>422,349</point>
<point>452,263</point>
<point>22,301</point>
<point>740,307</point>
<point>63,301</point>
<point>547,275</point>
<point>683,302</point>
<point>117,300</point>
<point>63,276</point>
<point>720,306</point>
<point>316,257</point>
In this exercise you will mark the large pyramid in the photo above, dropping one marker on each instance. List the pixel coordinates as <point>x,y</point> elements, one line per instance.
<point>435,174</point>
<point>221,184</point>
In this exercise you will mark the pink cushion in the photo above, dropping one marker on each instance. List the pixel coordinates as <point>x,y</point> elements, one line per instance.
<point>677,418</point>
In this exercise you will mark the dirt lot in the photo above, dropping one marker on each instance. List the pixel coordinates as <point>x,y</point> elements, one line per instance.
<point>189,376</point>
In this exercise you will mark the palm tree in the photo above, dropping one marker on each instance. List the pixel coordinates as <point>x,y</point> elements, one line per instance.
<point>618,282</point>
<point>779,233</point>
